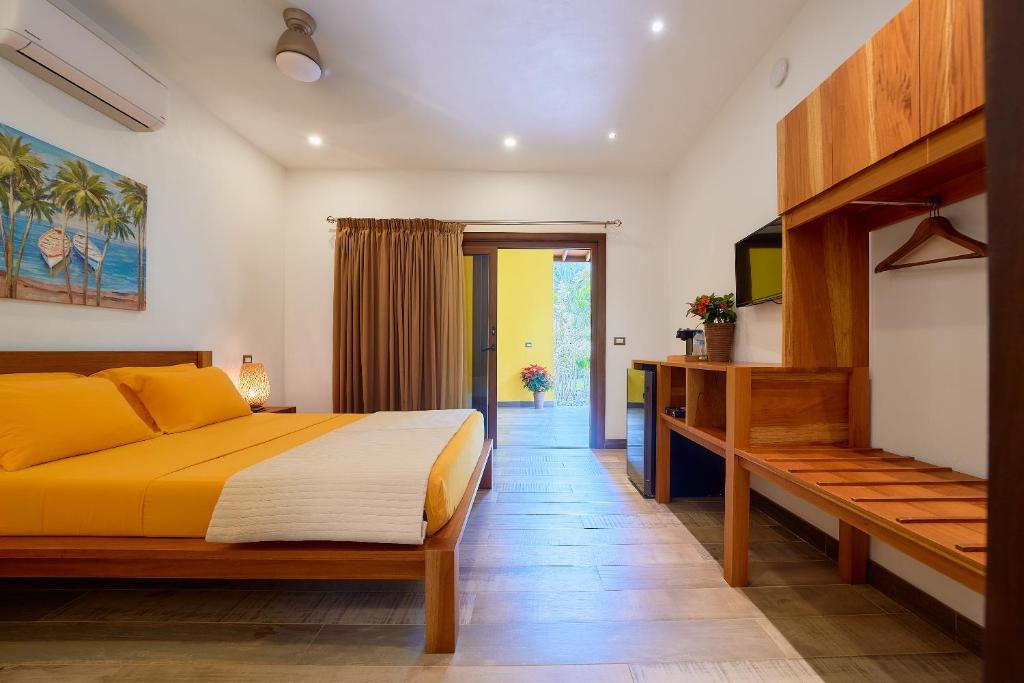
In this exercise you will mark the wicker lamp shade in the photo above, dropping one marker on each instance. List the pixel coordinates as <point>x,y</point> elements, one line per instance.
<point>254,384</point>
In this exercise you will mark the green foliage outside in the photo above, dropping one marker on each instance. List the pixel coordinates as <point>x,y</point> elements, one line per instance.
<point>572,333</point>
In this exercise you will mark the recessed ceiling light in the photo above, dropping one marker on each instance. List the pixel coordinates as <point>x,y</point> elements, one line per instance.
<point>315,140</point>
<point>657,26</point>
<point>510,142</point>
<point>612,135</point>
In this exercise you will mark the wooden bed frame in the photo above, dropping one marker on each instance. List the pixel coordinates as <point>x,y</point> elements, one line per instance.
<point>435,562</point>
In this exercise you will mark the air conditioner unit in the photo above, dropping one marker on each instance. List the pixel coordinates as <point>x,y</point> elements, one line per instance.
<point>42,39</point>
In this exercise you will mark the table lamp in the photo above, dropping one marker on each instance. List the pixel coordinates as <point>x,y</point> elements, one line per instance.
<point>253,383</point>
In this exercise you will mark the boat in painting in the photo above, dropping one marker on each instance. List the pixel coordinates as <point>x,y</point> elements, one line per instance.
<point>50,249</point>
<point>94,251</point>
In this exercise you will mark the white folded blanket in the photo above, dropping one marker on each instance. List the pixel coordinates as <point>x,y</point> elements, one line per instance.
<point>366,482</point>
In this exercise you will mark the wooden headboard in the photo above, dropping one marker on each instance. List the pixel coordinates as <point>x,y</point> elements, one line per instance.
<point>88,362</point>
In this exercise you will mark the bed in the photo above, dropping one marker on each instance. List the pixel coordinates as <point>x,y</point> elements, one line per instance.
<point>158,497</point>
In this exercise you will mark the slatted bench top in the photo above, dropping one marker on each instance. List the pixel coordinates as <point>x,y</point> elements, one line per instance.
<point>933,513</point>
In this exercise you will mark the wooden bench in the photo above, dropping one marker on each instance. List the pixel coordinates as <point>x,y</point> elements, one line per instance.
<point>934,514</point>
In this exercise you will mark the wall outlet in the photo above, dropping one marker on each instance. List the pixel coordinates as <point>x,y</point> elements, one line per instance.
<point>619,341</point>
<point>528,345</point>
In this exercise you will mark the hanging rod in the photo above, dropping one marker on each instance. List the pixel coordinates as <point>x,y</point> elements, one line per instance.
<point>876,202</point>
<point>615,222</point>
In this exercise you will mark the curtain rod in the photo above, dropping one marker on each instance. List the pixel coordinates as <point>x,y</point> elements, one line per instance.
<point>615,222</point>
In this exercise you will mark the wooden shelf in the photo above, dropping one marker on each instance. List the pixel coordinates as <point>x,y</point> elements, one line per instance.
<point>711,438</point>
<point>948,164</point>
<point>783,406</point>
<point>718,367</point>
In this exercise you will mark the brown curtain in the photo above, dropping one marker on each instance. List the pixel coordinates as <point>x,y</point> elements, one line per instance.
<point>398,315</point>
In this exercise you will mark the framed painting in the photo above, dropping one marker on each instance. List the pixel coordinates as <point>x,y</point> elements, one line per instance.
<point>71,231</point>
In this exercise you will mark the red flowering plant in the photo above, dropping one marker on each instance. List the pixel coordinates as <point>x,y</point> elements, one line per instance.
<point>712,308</point>
<point>536,378</point>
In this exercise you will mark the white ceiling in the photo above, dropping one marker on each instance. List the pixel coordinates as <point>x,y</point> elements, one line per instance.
<point>437,84</point>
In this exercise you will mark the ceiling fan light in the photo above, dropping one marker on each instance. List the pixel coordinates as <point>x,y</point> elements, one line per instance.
<point>296,55</point>
<point>298,66</point>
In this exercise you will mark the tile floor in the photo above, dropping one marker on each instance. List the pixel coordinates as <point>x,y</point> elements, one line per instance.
<point>568,575</point>
<point>550,427</point>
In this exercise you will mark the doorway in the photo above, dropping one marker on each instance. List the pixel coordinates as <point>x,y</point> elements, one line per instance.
<point>544,345</point>
<point>536,300</point>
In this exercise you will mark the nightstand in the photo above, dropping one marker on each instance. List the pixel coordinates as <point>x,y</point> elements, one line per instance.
<point>276,409</point>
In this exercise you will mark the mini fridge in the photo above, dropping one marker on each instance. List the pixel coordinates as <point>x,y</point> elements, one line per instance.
<point>641,413</point>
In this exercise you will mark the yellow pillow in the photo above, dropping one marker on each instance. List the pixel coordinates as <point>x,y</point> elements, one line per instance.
<point>21,377</point>
<point>45,421</point>
<point>128,381</point>
<point>180,401</point>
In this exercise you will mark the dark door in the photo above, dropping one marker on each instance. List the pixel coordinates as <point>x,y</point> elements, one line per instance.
<point>481,271</point>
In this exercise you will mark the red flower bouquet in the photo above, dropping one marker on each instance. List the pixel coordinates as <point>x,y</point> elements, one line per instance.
<point>536,378</point>
<point>712,308</point>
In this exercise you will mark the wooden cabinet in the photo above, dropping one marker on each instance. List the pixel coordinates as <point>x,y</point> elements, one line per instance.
<point>952,61</point>
<point>875,96</point>
<point>921,71</point>
<point>804,139</point>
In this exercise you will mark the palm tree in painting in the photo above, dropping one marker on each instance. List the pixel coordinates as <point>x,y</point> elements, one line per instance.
<point>17,165</point>
<point>113,223</point>
<point>84,192</point>
<point>135,200</point>
<point>36,201</point>
<point>66,203</point>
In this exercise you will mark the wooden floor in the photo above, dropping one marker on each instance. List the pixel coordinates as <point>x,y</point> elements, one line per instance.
<point>550,427</point>
<point>568,575</point>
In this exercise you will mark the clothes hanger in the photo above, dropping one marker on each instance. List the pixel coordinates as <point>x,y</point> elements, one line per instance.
<point>933,226</point>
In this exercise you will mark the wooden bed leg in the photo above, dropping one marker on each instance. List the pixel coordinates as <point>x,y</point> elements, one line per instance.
<point>442,600</point>
<point>737,521</point>
<point>853,553</point>
<point>485,478</point>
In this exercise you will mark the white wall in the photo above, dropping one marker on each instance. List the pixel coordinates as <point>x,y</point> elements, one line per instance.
<point>215,239</point>
<point>635,275</point>
<point>928,326</point>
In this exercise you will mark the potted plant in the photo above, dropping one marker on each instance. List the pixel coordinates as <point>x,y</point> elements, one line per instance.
<point>719,316</point>
<point>538,379</point>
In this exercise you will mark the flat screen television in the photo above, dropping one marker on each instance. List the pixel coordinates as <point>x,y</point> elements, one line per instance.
<point>759,266</point>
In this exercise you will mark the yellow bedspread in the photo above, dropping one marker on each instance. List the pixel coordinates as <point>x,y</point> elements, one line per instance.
<point>168,486</point>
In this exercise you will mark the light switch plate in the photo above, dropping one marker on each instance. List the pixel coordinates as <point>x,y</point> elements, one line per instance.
<point>619,341</point>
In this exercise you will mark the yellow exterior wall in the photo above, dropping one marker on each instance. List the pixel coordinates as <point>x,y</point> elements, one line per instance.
<point>525,313</point>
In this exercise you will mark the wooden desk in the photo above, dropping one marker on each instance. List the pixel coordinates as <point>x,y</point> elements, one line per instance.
<point>776,406</point>
<point>732,406</point>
